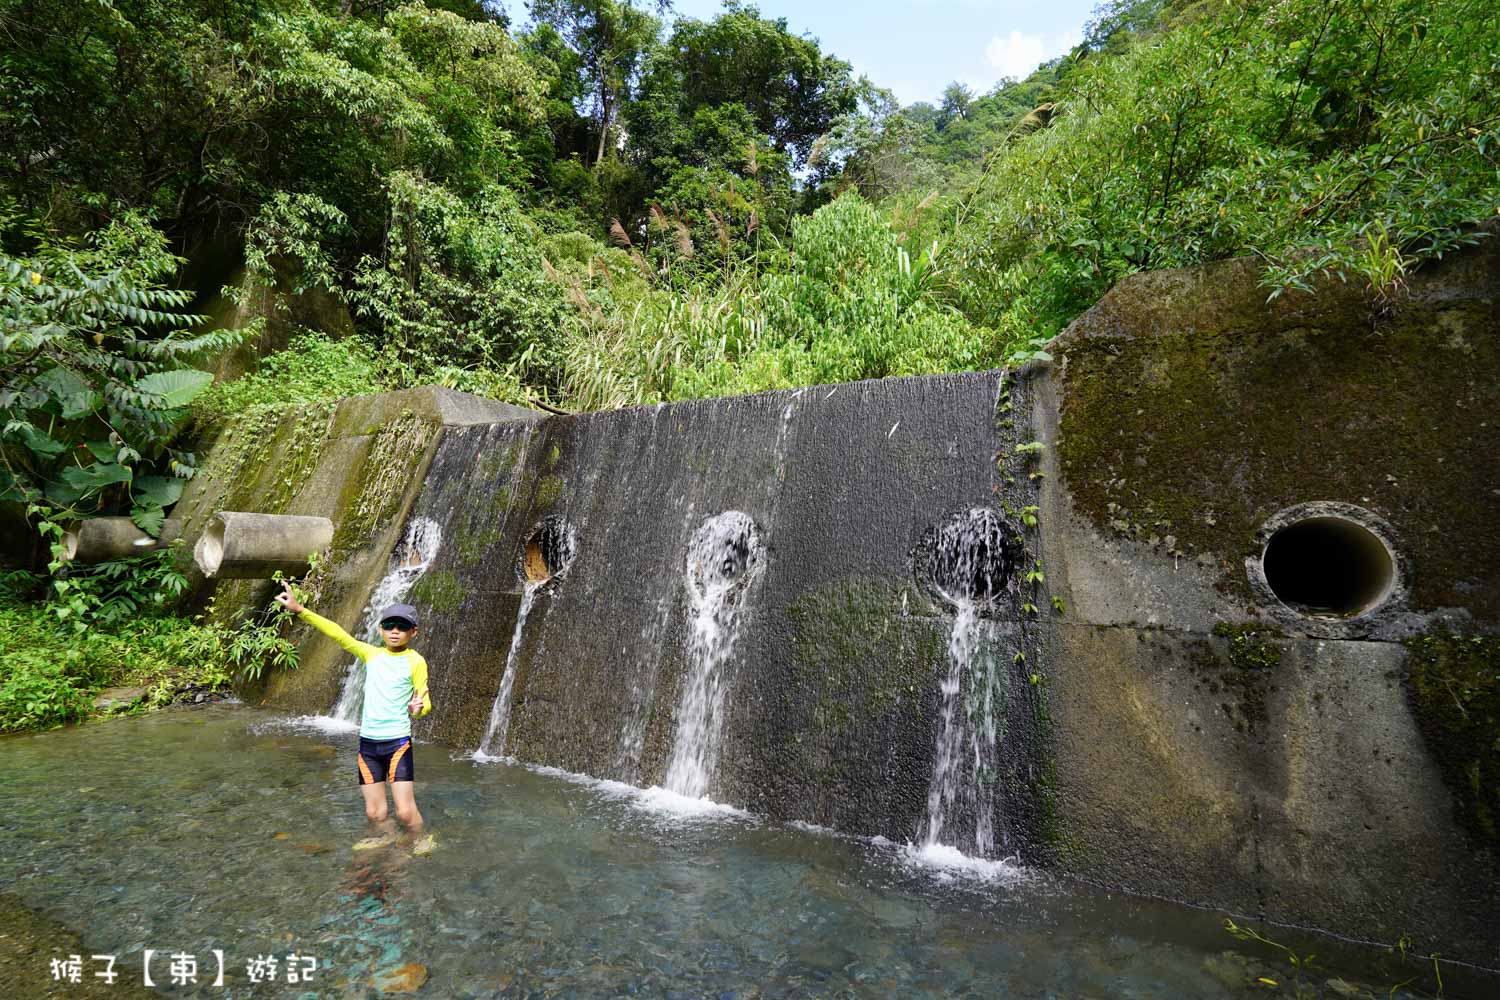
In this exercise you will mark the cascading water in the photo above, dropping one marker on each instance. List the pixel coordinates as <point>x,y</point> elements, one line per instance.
<point>967,737</point>
<point>499,724</point>
<point>410,560</point>
<point>547,553</point>
<point>968,563</point>
<point>723,557</point>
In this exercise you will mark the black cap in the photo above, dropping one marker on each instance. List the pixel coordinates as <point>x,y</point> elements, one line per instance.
<point>405,611</point>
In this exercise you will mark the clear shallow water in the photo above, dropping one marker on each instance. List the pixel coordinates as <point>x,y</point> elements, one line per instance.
<point>233,829</point>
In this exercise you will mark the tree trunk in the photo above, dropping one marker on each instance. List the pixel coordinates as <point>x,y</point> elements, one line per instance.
<point>604,112</point>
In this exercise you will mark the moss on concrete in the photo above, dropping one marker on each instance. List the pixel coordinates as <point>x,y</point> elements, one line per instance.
<point>384,480</point>
<point>1198,413</point>
<point>481,525</point>
<point>494,463</point>
<point>1247,650</point>
<point>548,491</point>
<point>1243,680</point>
<point>258,461</point>
<point>1453,682</point>
<point>849,637</point>
<point>438,591</point>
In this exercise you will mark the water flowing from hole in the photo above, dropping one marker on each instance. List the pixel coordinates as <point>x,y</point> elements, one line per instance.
<point>963,788</point>
<point>546,554</point>
<point>493,743</point>
<point>410,560</point>
<point>970,563</point>
<point>723,557</point>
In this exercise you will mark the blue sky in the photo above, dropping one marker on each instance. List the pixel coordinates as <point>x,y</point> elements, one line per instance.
<point>917,47</point>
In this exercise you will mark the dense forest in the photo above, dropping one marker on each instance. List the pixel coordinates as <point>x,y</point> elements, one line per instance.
<point>595,203</point>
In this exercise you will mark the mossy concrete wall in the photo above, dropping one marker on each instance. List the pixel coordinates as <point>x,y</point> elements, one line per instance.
<point>1210,743</point>
<point>359,463</point>
<point>274,313</point>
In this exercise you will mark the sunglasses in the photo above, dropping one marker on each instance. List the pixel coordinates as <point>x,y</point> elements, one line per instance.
<point>400,624</point>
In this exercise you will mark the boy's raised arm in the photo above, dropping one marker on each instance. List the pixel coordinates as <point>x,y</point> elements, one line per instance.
<point>421,699</point>
<point>289,601</point>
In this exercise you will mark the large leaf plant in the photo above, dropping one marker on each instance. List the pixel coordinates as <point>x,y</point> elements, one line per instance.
<point>96,376</point>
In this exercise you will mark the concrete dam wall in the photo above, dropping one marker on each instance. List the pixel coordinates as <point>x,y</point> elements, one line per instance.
<point>1205,608</point>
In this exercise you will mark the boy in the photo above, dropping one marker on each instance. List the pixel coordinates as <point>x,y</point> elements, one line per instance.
<point>395,693</point>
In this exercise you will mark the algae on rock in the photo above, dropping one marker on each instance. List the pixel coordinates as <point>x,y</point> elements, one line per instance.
<point>438,591</point>
<point>1454,685</point>
<point>387,473</point>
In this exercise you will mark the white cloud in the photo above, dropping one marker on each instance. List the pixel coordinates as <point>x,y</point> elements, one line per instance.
<point>1018,54</point>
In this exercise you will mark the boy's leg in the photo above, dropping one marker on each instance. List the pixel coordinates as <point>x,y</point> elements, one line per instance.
<point>375,807</point>
<point>405,794</point>
<point>372,761</point>
<point>402,775</point>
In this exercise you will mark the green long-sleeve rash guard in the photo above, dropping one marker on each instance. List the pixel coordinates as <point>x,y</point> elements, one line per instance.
<point>390,680</point>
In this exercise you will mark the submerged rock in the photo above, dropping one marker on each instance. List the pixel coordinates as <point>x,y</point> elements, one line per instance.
<point>406,978</point>
<point>117,697</point>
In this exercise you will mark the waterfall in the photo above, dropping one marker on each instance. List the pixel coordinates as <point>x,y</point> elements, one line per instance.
<point>545,555</point>
<point>723,556</point>
<point>970,561</point>
<point>493,743</point>
<point>963,771</point>
<point>410,560</point>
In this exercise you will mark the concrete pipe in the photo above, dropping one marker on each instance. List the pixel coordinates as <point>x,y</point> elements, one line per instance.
<point>241,546</point>
<point>103,538</point>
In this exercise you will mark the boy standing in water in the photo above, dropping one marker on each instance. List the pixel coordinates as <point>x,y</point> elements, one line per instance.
<point>395,693</point>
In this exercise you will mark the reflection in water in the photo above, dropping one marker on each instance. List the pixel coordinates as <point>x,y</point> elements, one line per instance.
<point>543,884</point>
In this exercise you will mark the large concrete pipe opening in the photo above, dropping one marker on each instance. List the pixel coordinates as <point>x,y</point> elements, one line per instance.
<point>549,550</point>
<point>970,558</point>
<point>245,546</point>
<point>1328,567</point>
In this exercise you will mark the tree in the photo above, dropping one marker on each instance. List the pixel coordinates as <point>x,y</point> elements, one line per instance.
<point>871,148</point>
<point>792,91</point>
<point>201,110</point>
<point>610,38</point>
<point>955,104</point>
<point>93,390</point>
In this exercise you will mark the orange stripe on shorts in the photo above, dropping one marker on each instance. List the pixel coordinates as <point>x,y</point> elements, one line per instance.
<point>364,771</point>
<point>390,774</point>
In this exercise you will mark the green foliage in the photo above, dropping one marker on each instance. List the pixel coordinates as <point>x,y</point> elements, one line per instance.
<point>252,647</point>
<point>94,391</point>
<point>200,110</point>
<point>459,288</point>
<point>608,39</point>
<point>37,692</point>
<point>453,185</point>
<point>850,303</point>
<point>53,670</point>
<point>111,594</point>
<point>788,88</point>
<point>1354,142</point>
<point>312,369</point>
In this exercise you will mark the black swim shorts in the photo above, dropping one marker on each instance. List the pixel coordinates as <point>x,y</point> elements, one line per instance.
<point>385,760</point>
